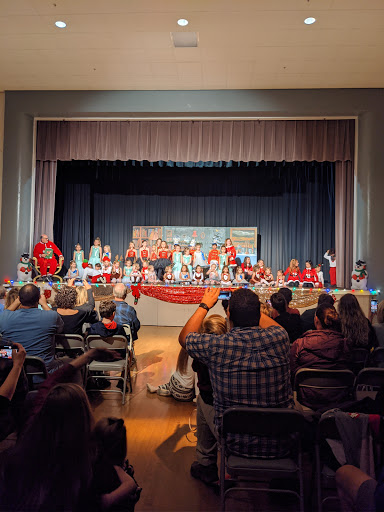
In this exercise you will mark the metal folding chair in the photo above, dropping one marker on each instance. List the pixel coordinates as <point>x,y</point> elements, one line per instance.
<point>128,334</point>
<point>119,344</point>
<point>317,388</point>
<point>72,344</point>
<point>376,358</point>
<point>358,358</point>
<point>35,369</point>
<point>368,382</point>
<point>272,423</point>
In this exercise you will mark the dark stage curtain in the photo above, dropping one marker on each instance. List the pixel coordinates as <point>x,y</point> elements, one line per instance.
<point>292,204</point>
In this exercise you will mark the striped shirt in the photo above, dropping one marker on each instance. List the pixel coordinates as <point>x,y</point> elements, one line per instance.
<point>248,366</point>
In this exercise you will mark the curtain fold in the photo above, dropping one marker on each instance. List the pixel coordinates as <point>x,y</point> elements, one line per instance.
<point>328,140</point>
<point>45,187</point>
<point>344,180</point>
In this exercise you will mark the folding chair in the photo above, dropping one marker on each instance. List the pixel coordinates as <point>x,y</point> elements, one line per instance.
<point>72,344</point>
<point>358,358</point>
<point>376,358</point>
<point>128,334</point>
<point>368,382</point>
<point>35,367</point>
<point>317,388</point>
<point>272,423</point>
<point>120,344</point>
<point>325,476</point>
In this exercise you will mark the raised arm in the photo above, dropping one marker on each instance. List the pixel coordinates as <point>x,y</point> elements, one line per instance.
<point>8,387</point>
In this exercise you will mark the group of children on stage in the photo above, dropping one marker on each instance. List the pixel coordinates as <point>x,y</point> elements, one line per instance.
<point>172,264</point>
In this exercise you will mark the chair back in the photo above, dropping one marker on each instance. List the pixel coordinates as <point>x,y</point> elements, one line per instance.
<point>318,388</point>
<point>35,370</point>
<point>71,344</point>
<point>358,359</point>
<point>117,342</point>
<point>368,382</point>
<point>376,358</point>
<point>261,422</point>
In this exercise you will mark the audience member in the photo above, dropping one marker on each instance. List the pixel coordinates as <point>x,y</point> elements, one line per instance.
<point>33,328</point>
<point>73,317</point>
<point>287,294</point>
<point>8,388</point>
<point>324,348</point>
<point>11,296</point>
<point>3,293</point>
<point>290,322</point>
<point>249,365</point>
<point>308,317</point>
<point>52,466</point>
<point>266,309</point>
<point>205,466</point>
<point>86,301</point>
<point>107,326</point>
<point>355,326</point>
<point>379,326</point>
<point>125,314</point>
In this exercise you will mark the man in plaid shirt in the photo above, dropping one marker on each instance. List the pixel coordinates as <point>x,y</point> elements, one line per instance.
<point>248,366</point>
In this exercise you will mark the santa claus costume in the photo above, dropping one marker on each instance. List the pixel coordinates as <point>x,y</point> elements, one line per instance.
<point>45,252</point>
<point>309,277</point>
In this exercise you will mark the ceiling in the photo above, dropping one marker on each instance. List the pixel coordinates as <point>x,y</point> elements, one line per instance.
<point>243,44</point>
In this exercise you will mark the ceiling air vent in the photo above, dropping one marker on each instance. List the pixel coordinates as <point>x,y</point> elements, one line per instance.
<point>184,39</point>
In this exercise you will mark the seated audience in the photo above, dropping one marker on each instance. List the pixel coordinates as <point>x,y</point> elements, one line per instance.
<point>308,317</point>
<point>52,466</point>
<point>8,388</point>
<point>11,296</point>
<point>3,293</point>
<point>125,314</point>
<point>33,328</point>
<point>248,366</point>
<point>73,317</point>
<point>287,294</point>
<point>86,301</point>
<point>290,322</point>
<point>324,348</point>
<point>107,326</point>
<point>355,326</point>
<point>379,326</point>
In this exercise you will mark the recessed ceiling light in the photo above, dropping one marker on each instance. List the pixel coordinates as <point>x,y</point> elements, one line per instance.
<point>182,22</point>
<point>60,24</point>
<point>309,21</point>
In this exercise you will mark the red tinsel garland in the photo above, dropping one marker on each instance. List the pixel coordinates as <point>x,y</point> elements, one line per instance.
<point>176,294</point>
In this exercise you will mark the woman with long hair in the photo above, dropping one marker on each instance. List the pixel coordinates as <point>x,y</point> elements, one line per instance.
<point>355,326</point>
<point>379,326</point>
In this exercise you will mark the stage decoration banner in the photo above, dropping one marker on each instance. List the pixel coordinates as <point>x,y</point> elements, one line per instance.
<point>244,239</point>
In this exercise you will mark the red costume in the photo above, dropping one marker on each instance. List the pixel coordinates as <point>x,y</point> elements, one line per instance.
<point>231,251</point>
<point>144,254</point>
<point>248,269</point>
<point>45,254</point>
<point>293,275</point>
<point>163,254</point>
<point>309,275</point>
<point>213,255</point>
<point>131,253</point>
<point>153,256</point>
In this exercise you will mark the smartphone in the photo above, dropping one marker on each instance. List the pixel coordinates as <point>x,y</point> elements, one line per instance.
<point>6,352</point>
<point>373,306</point>
<point>224,295</point>
<point>268,301</point>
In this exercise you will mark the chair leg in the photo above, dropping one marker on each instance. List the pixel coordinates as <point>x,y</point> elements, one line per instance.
<point>318,478</point>
<point>222,480</point>
<point>301,481</point>
<point>124,387</point>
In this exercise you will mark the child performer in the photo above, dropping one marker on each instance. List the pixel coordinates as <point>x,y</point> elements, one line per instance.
<point>213,256</point>
<point>107,269</point>
<point>185,277</point>
<point>260,264</point>
<point>107,252</point>
<point>162,261</point>
<point>320,275</point>
<point>131,253</point>
<point>239,277</point>
<point>116,272</point>
<point>127,271</point>
<point>152,277</point>
<point>97,276</point>
<point>225,276</point>
<point>309,276</point>
<point>255,279</point>
<point>143,252</point>
<point>144,270</point>
<point>247,268</point>
<point>330,255</point>
<point>293,273</point>
<point>231,251</point>
<point>280,282</point>
<point>136,274</point>
<point>72,271</point>
<point>95,253</point>
<point>177,261</point>
<point>78,256</point>
<point>187,259</point>
<point>268,278</point>
<point>89,272</point>
<point>213,275</point>
<point>168,277</point>
<point>198,276</point>
<point>223,258</point>
<point>198,257</point>
<point>153,253</point>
